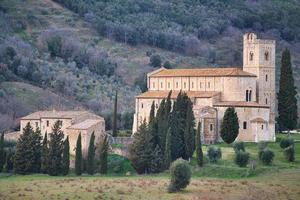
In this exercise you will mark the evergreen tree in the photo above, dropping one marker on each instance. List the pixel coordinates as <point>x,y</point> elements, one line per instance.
<point>114,128</point>
<point>55,150</point>
<point>177,140</point>
<point>167,154</point>
<point>2,153</point>
<point>157,161</point>
<point>103,155</point>
<point>199,152</point>
<point>287,102</point>
<point>78,156</point>
<point>24,157</point>
<point>230,126</point>
<point>66,157</point>
<point>44,157</point>
<point>189,132</point>
<point>141,149</point>
<point>37,148</point>
<point>9,162</point>
<point>152,113</point>
<point>91,155</point>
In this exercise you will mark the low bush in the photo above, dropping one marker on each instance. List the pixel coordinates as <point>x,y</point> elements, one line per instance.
<point>239,146</point>
<point>214,154</point>
<point>286,142</point>
<point>267,156</point>
<point>289,153</point>
<point>261,146</point>
<point>180,175</point>
<point>242,158</point>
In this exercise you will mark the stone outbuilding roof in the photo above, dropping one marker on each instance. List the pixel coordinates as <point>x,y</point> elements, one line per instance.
<point>164,94</point>
<point>85,124</point>
<point>202,72</point>
<point>60,114</point>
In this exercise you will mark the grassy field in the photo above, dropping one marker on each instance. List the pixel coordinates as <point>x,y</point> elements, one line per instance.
<point>223,180</point>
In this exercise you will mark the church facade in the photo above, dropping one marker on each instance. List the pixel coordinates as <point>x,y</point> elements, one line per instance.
<point>250,90</point>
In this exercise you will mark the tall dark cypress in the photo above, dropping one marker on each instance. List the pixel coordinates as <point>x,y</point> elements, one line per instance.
<point>44,156</point>
<point>91,155</point>
<point>167,154</point>
<point>189,132</point>
<point>103,155</point>
<point>66,157</point>
<point>115,116</point>
<point>177,140</point>
<point>2,153</point>
<point>287,102</point>
<point>199,152</point>
<point>56,144</point>
<point>36,139</point>
<point>230,126</point>
<point>78,156</point>
<point>24,157</point>
<point>152,113</point>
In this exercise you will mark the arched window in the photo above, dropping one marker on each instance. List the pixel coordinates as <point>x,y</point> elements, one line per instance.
<point>142,105</point>
<point>161,85</point>
<point>176,84</point>
<point>248,95</point>
<point>262,127</point>
<point>266,55</point>
<point>266,77</point>
<point>251,56</point>
<point>266,101</point>
<point>211,127</point>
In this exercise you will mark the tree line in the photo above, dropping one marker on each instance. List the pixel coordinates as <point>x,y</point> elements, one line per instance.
<point>37,154</point>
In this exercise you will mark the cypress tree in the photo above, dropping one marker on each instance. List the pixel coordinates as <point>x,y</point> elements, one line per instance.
<point>157,160</point>
<point>78,156</point>
<point>199,152</point>
<point>37,148</point>
<point>140,151</point>
<point>167,154</point>
<point>115,131</point>
<point>152,113</point>
<point>2,153</point>
<point>177,140</point>
<point>25,156</point>
<point>91,155</point>
<point>44,157</point>
<point>230,126</point>
<point>55,150</point>
<point>189,132</point>
<point>66,157</point>
<point>103,155</point>
<point>287,102</point>
<point>161,125</point>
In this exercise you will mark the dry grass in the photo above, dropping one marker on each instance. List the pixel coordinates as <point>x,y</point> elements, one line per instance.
<point>285,185</point>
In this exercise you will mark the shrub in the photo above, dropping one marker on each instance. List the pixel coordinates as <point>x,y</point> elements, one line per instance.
<point>261,146</point>
<point>155,61</point>
<point>239,146</point>
<point>214,154</point>
<point>266,156</point>
<point>180,175</point>
<point>241,158</point>
<point>289,153</point>
<point>54,46</point>
<point>286,142</point>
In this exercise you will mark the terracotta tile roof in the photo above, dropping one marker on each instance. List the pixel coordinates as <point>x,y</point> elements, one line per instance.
<point>61,114</point>
<point>202,72</point>
<point>85,124</point>
<point>258,120</point>
<point>164,94</point>
<point>240,104</point>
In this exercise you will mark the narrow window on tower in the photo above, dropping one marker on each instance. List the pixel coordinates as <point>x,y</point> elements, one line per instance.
<point>47,123</point>
<point>266,101</point>
<point>266,77</point>
<point>266,56</point>
<point>250,95</point>
<point>244,125</point>
<point>142,105</point>
<point>211,127</point>
<point>247,95</point>
<point>251,56</point>
<point>262,127</point>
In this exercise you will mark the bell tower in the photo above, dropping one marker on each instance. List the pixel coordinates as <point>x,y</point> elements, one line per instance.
<point>259,59</point>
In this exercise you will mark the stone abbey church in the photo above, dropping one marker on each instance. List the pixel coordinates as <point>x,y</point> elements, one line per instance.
<point>250,90</point>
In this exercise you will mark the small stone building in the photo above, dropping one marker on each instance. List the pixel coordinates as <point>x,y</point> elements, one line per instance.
<point>250,89</point>
<point>72,123</point>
